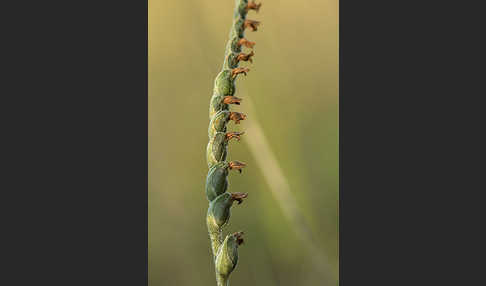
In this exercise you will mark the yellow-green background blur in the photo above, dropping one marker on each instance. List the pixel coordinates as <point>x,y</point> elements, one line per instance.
<point>293,87</point>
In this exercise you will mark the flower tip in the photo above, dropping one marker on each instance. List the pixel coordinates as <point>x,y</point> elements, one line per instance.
<point>231,135</point>
<point>253,6</point>
<point>237,71</point>
<point>232,100</point>
<point>239,237</point>
<point>252,24</point>
<point>236,165</point>
<point>237,117</point>
<point>245,57</point>
<point>246,43</point>
<point>239,197</point>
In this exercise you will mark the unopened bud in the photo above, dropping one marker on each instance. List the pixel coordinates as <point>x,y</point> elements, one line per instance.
<point>219,209</point>
<point>217,149</point>
<point>227,258</point>
<point>224,83</point>
<point>218,122</point>
<point>217,180</point>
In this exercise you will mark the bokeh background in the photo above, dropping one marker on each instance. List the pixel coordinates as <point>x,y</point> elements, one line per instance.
<point>291,98</point>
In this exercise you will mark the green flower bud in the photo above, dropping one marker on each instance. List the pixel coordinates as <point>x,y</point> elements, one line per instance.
<point>219,120</point>
<point>227,257</point>
<point>219,210</point>
<point>224,84</point>
<point>221,102</point>
<point>217,180</point>
<point>217,104</point>
<point>217,149</point>
<point>231,61</point>
<point>218,123</point>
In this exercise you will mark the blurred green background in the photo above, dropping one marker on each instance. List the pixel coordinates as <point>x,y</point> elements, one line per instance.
<point>293,88</point>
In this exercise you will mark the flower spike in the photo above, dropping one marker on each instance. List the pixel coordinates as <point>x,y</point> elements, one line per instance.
<point>225,248</point>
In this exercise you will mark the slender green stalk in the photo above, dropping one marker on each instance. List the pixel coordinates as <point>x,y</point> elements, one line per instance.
<point>280,188</point>
<point>225,249</point>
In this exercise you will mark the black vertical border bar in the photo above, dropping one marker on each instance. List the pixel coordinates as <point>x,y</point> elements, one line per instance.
<point>76,99</point>
<point>370,152</point>
<point>411,143</point>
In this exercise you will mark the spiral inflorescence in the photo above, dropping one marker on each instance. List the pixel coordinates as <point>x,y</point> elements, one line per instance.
<point>225,251</point>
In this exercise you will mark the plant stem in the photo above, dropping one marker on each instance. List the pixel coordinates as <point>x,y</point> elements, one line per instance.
<point>221,281</point>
